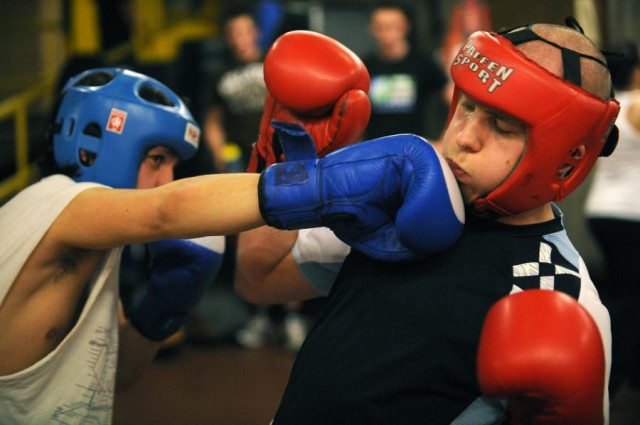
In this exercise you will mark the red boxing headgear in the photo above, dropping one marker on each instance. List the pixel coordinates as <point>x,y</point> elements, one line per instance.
<point>560,117</point>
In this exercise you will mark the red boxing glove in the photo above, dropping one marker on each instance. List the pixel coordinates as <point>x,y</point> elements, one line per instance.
<point>542,351</point>
<point>317,82</point>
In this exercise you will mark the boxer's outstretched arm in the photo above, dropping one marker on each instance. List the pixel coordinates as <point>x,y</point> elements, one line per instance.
<point>103,218</point>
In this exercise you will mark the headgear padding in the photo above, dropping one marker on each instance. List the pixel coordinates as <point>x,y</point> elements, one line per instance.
<point>118,115</point>
<point>560,117</point>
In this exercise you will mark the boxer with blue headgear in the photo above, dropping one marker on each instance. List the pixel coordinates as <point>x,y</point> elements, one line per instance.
<point>107,120</point>
<point>62,326</point>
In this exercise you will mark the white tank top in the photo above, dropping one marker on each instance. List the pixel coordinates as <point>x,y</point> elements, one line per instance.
<point>615,189</point>
<point>74,383</point>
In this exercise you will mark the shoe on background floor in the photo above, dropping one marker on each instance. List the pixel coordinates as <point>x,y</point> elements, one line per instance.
<point>173,342</point>
<point>295,331</point>
<point>256,333</point>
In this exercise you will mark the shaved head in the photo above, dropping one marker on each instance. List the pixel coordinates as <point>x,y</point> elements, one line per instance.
<point>595,77</point>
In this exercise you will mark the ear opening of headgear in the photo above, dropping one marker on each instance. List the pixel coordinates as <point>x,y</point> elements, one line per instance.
<point>117,115</point>
<point>96,78</point>
<point>560,117</point>
<point>155,95</point>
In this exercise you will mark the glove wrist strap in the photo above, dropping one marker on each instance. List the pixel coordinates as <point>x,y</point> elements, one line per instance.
<point>289,197</point>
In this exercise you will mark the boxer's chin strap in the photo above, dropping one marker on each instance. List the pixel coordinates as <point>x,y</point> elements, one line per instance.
<point>483,213</point>
<point>570,58</point>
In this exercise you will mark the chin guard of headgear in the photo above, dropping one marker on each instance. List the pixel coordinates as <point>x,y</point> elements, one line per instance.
<point>114,116</point>
<point>560,117</point>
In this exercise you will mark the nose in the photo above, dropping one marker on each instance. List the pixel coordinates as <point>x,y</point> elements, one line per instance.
<point>165,175</point>
<point>469,135</point>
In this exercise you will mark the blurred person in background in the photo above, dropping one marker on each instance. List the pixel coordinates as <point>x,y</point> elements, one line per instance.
<point>613,214</point>
<point>403,80</point>
<point>232,119</point>
<point>230,129</point>
<point>467,16</point>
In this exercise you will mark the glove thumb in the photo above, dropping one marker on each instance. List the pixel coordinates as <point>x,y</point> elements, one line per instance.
<point>349,120</point>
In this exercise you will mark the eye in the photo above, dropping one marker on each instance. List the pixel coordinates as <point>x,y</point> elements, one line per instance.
<point>499,126</point>
<point>158,159</point>
<point>468,106</point>
<point>507,127</point>
<point>155,160</point>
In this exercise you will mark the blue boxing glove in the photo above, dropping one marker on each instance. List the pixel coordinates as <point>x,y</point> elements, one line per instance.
<point>179,272</point>
<point>393,198</point>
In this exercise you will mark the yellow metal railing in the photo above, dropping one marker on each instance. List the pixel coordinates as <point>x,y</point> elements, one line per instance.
<point>16,108</point>
<point>158,44</point>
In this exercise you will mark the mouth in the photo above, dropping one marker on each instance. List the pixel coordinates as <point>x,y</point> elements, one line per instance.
<point>458,172</point>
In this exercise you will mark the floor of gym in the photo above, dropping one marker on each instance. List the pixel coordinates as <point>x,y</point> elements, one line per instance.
<point>228,385</point>
<point>210,380</point>
<point>220,384</point>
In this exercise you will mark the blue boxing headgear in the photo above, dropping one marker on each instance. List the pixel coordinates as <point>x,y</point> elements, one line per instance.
<point>115,116</point>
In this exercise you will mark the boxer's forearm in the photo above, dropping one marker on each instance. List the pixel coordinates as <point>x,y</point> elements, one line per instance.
<point>265,270</point>
<point>200,206</point>
<point>211,205</point>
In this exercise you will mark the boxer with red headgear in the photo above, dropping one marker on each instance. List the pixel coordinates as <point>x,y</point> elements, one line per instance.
<point>397,342</point>
<point>546,93</point>
<point>567,127</point>
<point>568,119</point>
